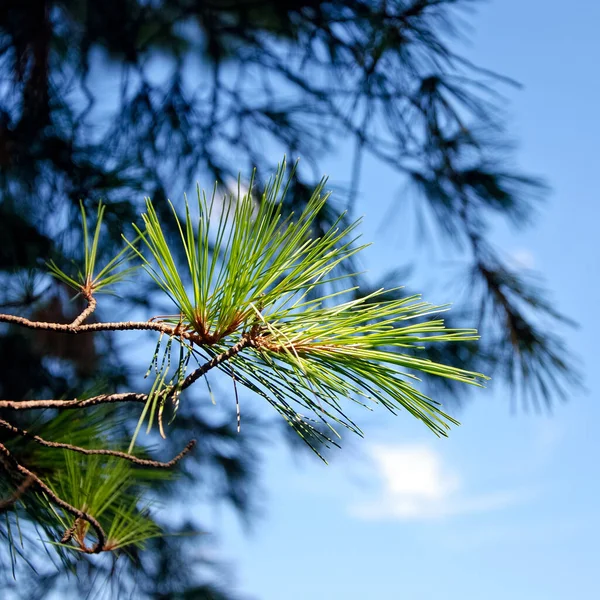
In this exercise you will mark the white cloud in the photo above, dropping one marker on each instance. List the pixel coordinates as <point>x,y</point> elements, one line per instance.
<point>413,470</point>
<point>523,258</point>
<point>416,484</point>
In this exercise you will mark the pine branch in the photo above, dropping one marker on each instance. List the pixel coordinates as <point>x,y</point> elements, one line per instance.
<point>17,470</point>
<point>140,462</point>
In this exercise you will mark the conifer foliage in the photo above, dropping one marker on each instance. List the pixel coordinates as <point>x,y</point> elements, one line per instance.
<point>253,300</point>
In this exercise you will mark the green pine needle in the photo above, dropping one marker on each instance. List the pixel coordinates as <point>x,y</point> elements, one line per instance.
<point>267,276</point>
<point>89,280</point>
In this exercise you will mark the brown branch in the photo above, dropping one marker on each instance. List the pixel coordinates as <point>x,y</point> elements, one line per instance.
<point>246,341</point>
<point>14,467</point>
<point>142,462</point>
<point>91,307</point>
<point>69,532</point>
<point>75,403</point>
<point>72,328</point>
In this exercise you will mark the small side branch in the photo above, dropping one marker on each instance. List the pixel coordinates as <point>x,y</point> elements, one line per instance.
<point>16,469</point>
<point>141,462</point>
<point>91,307</point>
<point>245,342</point>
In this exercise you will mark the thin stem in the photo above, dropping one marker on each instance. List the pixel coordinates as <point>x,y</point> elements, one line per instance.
<point>69,532</point>
<point>142,462</point>
<point>91,307</point>
<point>244,342</point>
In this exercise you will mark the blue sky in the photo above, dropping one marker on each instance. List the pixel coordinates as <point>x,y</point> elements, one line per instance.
<point>506,507</point>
